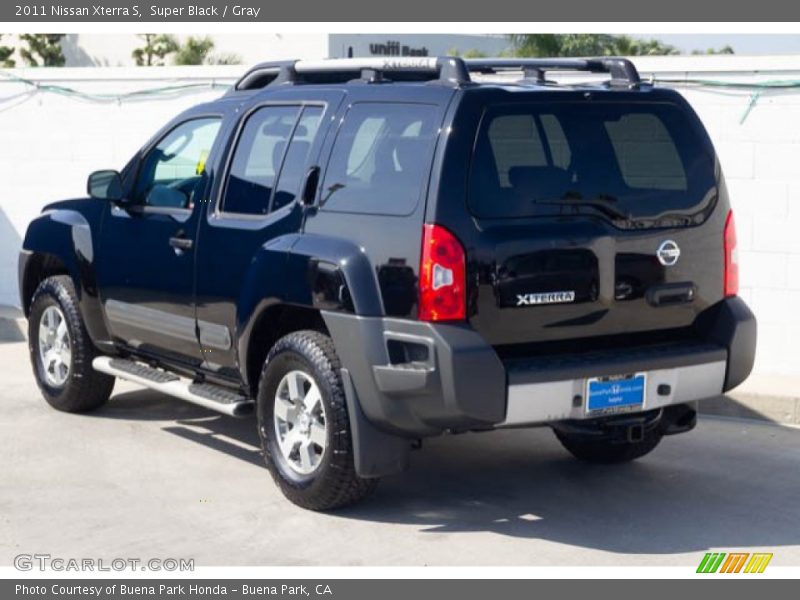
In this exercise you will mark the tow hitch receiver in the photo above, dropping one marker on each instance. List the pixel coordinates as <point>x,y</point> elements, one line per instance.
<point>633,428</point>
<point>635,433</point>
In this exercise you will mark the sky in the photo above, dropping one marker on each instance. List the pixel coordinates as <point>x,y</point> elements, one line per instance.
<point>741,43</point>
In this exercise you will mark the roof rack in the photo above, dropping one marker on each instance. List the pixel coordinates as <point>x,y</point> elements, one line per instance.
<point>266,73</point>
<point>623,72</point>
<point>448,70</point>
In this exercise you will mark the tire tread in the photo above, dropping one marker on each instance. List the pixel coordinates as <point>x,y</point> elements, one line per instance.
<point>342,485</point>
<point>86,388</point>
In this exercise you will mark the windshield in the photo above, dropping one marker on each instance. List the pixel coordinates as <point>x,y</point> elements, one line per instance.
<point>624,159</point>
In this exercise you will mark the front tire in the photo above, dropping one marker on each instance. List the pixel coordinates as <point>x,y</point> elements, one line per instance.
<point>608,451</point>
<point>61,351</point>
<point>304,425</point>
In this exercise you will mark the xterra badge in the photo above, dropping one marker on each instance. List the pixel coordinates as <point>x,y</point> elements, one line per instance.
<point>546,298</point>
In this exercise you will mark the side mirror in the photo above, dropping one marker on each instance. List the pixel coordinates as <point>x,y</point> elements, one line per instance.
<point>310,186</point>
<point>105,185</point>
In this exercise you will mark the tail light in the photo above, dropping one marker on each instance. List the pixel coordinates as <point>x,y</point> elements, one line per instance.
<point>731,257</point>
<point>442,276</point>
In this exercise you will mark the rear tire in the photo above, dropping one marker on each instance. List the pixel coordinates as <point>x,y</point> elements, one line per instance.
<point>61,351</point>
<point>607,451</point>
<point>304,425</point>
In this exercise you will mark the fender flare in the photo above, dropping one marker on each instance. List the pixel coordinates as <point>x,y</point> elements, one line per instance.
<point>66,235</point>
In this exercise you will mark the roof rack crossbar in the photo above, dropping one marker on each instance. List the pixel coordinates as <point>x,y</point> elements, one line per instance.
<point>449,70</point>
<point>623,72</point>
<point>444,69</point>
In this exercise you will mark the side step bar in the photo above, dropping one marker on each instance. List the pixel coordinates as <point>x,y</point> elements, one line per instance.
<point>210,396</point>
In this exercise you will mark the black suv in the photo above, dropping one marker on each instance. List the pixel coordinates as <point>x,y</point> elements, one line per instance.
<point>368,252</point>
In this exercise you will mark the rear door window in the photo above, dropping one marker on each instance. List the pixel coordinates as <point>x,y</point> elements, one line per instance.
<point>257,160</point>
<point>381,158</point>
<point>296,161</point>
<point>642,158</point>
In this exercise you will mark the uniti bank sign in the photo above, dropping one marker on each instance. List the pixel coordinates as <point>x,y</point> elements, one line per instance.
<point>395,48</point>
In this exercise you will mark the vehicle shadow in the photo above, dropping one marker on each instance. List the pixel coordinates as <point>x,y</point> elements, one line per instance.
<point>10,332</point>
<point>701,490</point>
<point>727,484</point>
<point>236,437</point>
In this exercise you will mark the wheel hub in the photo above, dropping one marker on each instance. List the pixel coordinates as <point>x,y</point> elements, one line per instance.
<point>55,348</point>
<point>300,422</point>
<point>304,423</point>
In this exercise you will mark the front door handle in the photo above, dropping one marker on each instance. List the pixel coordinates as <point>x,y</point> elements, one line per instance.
<point>181,243</point>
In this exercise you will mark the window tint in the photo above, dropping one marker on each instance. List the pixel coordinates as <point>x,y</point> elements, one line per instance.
<point>525,140</point>
<point>556,140</point>
<point>644,158</point>
<point>257,160</point>
<point>646,153</point>
<point>295,164</point>
<point>381,158</point>
<point>173,171</point>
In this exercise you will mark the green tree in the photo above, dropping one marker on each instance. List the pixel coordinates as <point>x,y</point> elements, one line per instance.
<point>194,51</point>
<point>6,53</point>
<point>44,49</point>
<point>723,50</point>
<point>224,59</point>
<point>471,53</point>
<point>156,48</point>
<point>585,44</point>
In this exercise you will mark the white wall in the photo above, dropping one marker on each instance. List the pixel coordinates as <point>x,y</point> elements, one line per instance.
<point>48,145</point>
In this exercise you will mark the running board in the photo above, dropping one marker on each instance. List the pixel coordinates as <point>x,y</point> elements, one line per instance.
<point>210,396</point>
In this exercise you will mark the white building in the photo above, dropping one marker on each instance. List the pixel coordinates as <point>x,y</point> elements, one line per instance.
<point>103,50</point>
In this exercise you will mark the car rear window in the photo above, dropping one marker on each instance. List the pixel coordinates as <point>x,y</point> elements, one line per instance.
<point>644,159</point>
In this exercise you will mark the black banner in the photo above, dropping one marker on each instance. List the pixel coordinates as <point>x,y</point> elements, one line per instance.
<point>67,11</point>
<point>393,589</point>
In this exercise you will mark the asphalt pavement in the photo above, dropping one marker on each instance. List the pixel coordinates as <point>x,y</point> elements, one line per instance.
<point>148,476</point>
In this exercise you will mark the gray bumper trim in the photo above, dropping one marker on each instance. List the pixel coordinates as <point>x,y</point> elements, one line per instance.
<point>460,386</point>
<point>549,401</point>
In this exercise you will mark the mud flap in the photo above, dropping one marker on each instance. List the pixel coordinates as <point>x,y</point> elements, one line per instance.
<point>375,453</point>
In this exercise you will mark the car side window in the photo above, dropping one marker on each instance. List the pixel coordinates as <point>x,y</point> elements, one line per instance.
<point>295,163</point>
<point>381,159</point>
<point>173,171</point>
<point>257,160</point>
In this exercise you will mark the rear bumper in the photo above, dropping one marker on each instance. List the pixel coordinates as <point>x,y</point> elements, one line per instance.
<point>534,403</point>
<point>416,379</point>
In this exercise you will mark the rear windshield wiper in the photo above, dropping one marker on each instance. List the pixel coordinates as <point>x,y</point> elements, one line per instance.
<point>603,203</point>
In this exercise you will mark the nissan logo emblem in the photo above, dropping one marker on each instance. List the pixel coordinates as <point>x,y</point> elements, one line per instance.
<point>668,253</point>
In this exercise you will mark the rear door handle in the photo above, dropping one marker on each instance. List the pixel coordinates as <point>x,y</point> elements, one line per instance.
<point>181,243</point>
<point>671,293</point>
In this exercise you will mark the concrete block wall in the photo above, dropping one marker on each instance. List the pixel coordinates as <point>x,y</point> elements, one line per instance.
<point>48,145</point>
